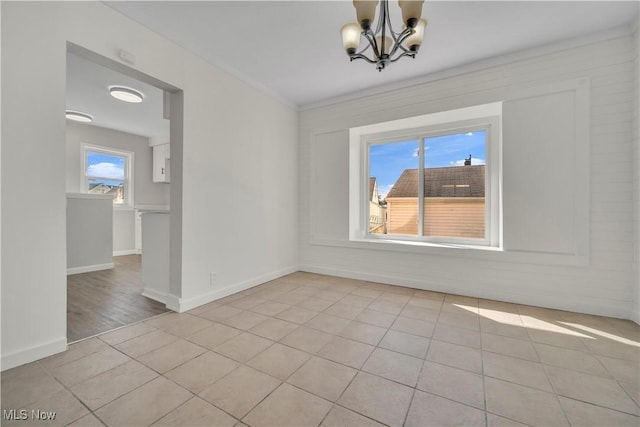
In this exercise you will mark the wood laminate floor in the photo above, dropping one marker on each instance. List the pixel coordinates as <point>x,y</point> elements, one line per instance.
<point>104,300</point>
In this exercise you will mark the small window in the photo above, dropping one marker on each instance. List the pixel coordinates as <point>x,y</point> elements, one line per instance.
<point>431,181</point>
<point>108,171</point>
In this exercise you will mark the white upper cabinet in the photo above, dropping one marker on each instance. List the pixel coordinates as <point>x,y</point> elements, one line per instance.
<point>161,163</point>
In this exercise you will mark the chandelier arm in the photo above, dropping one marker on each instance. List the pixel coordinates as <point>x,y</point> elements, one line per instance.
<point>385,20</point>
<point>383,4</point>
<point>406,53</point>
<point>362,51</point>
<point>372,42</point>
<point>401,38</point>
<point>387,17</point>
<point>394,35</point>
<point>361,56</point>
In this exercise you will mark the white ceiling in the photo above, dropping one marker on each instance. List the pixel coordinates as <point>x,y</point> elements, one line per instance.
<point>293,50</point>
<point>88,91</point>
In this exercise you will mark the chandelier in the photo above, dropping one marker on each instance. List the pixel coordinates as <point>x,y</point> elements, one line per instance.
<point>386,45</point>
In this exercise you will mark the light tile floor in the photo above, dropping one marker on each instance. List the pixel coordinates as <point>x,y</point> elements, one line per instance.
<point>309,350</point>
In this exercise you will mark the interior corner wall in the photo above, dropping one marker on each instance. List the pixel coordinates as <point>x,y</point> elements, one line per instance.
<point>601,284</point>
<point>239,178</point>
<point>145,191</point>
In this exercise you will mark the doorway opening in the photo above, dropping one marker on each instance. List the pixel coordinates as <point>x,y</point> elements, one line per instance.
<point>104,300</point>
<point>124,188</point>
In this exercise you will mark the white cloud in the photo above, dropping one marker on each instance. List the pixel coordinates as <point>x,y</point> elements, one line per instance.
<point>106,170</point>
<point>416,152</point>
<point>474,161</point>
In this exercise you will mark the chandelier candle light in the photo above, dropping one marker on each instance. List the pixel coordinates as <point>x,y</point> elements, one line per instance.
<point>387,46</point>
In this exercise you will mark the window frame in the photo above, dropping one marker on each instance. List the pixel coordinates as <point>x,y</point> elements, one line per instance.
<point>487,118</point>
<point>86,148</point>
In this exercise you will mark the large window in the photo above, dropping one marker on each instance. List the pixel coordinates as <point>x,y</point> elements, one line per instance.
<point>108,171</point>
<point>434,183</point>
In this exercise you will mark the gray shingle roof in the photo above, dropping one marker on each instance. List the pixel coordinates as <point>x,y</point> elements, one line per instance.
<point>458,181</point>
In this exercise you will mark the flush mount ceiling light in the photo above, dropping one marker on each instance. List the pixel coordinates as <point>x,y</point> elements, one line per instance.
<point>78,116</point>
<point>126,94</point>
<point>386,45</point>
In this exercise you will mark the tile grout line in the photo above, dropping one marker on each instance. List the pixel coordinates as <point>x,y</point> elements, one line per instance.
<point>138,322</point>
<point>214,405</point>
<point>484,376</point>
<point>359,370</point>
<point>406,416</point>
<point>135,388</point>
<point>296,370</point>
<point>80,401</point>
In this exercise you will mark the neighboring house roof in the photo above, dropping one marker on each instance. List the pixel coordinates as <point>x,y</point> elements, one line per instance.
<point>99,188</point>
<point>372,188</point>
<point>458,181</point>
<point>105,189</point>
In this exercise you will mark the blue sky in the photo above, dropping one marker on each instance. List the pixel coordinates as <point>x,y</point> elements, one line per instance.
<point>387,161</point>
<point>105,166</point>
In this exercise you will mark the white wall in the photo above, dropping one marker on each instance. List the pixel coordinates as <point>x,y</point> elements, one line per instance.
<point>636,177</point>
<point>89,233</point>
<point>599,283</point>
<point>239,180</point>
<point>145,191</point>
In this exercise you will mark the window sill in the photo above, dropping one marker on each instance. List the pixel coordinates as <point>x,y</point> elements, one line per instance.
<point>88,196</point>
<point>389,243</point>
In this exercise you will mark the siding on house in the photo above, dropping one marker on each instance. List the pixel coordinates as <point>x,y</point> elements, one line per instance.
<point>453,217</point>
<point>402,215</point>
<point>443,216</point>
<point>453,202</point>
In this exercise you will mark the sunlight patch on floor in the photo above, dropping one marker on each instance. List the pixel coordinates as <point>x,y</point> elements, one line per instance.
<point>514,319</point>
<point>603,334</point>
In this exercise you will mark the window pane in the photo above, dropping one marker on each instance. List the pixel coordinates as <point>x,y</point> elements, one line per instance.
<point>105,165</point>
<point>454,185</point>
<point>106,174</point>
<point>393,188</point>
<point>112,187</point>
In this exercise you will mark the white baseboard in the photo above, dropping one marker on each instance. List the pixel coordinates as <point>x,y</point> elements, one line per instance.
<point>184,304</point>
<point>33,353</point>
<point>126,252</point>
<point>155,295</point>
<point>89,268</point>
<point>173,303</point>
<point>545,301</point>
<point>358,275</point>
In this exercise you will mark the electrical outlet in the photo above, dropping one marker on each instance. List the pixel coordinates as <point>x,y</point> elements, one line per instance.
<point>213,277</point>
